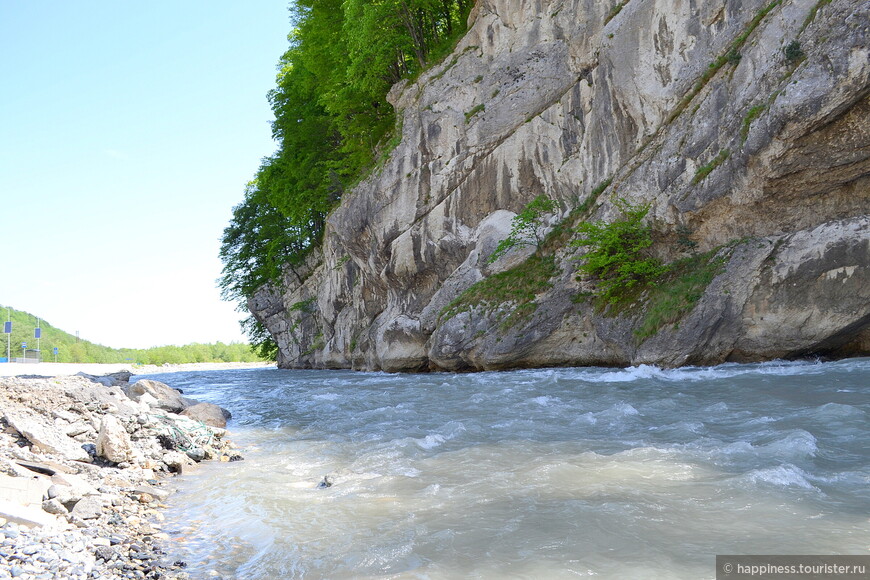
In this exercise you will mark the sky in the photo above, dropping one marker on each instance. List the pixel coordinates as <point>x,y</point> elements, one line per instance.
<point>128,131</point>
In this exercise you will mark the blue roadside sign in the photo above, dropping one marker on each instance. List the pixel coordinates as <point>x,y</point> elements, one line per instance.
<point>23,345</point>
<point>55,350</point>
<point>37,333</point>
<point>7,327</point>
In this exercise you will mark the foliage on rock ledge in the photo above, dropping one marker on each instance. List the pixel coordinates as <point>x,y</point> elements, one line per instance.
<point>515,287</point>
<point>526,227</point>
<point>678,291</point>
<point>618,258</point>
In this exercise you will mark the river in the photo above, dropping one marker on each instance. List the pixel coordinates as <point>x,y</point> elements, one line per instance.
<point>556,473</point>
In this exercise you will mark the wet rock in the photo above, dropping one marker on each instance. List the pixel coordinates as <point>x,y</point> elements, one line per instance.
<point>121,377</point>
<point>178,462</point>
<point>197,454</point>
<point>155,492</point>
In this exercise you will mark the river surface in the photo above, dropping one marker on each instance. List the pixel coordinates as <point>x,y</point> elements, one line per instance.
<point>558,473</point>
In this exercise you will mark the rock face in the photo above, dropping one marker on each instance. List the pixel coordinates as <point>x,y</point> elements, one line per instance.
<point>744,124</point>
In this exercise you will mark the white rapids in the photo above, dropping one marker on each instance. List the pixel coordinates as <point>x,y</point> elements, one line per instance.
<point>540,474</point>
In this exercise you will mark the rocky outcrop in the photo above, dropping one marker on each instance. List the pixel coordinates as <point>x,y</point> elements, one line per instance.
<point>745,125</point>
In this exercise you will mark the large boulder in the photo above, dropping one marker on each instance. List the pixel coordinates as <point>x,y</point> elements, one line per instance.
<point>210,414</point>
<point>45,436</point>
<point>166,397</point>
<point>113,442</point>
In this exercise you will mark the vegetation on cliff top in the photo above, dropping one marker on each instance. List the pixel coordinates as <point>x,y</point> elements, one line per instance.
<point>332,124</point>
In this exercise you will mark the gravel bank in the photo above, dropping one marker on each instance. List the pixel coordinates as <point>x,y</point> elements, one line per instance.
<point>85,464</point>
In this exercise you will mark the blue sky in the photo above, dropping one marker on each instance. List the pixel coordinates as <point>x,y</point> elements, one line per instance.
<point>127,133</point>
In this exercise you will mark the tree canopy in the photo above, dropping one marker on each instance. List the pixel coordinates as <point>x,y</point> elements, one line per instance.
<point>331,121</point>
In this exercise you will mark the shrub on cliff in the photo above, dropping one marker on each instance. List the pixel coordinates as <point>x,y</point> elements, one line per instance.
<point>526,227</point>
<point>618,258</point>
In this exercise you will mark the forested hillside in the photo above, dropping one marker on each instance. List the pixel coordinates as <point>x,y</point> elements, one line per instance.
<point>332,124</point>
<point>71,349</point>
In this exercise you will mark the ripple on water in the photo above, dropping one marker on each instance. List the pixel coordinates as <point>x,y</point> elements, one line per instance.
<point>542,474</point>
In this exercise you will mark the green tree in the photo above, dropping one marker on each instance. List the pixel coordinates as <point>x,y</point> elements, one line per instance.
<point>527,227</point>
<point>332,121</point>
<point>618,255</point>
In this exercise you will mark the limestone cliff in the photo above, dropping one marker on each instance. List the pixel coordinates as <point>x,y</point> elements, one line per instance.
<point>745,124</point>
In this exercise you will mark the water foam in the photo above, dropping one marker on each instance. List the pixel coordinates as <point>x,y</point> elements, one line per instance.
<point>786,475</point>
<point>495,474</point>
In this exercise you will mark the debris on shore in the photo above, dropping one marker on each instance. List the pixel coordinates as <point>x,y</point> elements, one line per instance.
<point>85,463</point>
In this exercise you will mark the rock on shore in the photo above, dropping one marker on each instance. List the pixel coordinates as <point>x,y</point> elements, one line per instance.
<point>83,467</point>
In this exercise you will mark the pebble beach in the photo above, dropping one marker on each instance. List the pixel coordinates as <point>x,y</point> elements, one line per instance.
<point>86,462</point>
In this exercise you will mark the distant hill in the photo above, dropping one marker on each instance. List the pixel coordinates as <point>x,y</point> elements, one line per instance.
<point>73,349</point>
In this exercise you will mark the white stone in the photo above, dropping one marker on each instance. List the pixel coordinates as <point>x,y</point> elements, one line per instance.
<point>25,515</point>
<point>46,437</point>
<point>113,442</point>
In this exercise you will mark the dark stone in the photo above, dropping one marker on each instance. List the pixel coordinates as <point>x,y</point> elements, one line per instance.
<point>105,553</point>
<point>166,442</point>
<point>197,454</point>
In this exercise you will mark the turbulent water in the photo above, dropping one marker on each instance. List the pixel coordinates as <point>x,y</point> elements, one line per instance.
<point>612,473</point>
